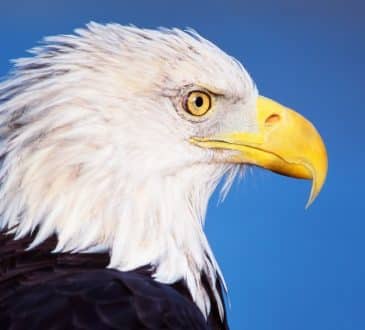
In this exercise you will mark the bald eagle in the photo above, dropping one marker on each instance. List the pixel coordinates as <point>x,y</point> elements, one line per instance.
<point>112,141</point>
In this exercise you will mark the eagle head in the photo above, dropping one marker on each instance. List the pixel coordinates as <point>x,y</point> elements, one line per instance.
<point>115,137</point>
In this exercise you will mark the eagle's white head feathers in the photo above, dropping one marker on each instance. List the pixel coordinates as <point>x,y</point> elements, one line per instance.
<point>96,147</point>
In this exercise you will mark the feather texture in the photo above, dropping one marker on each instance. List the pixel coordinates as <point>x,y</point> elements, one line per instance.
<point>43,290</point>
<point>95,149</point>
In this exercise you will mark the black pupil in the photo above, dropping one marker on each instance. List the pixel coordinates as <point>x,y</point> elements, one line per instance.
<point>199,101</point>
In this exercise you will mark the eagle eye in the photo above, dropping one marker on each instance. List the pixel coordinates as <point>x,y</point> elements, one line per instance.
<point>197,103</point>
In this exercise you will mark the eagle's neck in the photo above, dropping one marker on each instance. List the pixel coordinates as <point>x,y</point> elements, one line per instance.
<point>156,221</point>
<point>161,224</point>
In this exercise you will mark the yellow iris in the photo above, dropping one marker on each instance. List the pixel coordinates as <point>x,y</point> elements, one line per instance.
<point>197,103</point>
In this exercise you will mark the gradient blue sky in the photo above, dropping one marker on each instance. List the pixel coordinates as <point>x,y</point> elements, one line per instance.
<point>286,268</point>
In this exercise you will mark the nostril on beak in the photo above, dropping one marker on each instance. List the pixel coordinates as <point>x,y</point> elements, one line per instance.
<point>272,119</point>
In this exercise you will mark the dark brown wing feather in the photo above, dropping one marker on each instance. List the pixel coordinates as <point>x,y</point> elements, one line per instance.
<point>43,290</point>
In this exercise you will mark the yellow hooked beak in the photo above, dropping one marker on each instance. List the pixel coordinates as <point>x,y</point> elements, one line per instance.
<point>285,143</point>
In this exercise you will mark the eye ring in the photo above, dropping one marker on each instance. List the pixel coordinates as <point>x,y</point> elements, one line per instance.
<point>197,103</point>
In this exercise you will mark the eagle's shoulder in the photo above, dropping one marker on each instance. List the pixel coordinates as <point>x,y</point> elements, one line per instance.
<point>44,290</point>
<point>99,299</point>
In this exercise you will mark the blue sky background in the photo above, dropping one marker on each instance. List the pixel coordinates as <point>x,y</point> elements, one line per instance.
<point>287,268</point>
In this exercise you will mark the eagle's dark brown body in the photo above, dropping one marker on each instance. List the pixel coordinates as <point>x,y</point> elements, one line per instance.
<point>44,290</point>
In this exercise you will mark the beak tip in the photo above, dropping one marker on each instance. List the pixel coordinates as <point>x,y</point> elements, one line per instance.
<point>315,190</point>
<point>309,202</point>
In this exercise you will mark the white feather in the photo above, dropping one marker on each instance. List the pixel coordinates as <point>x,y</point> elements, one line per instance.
<point>95,151</point>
